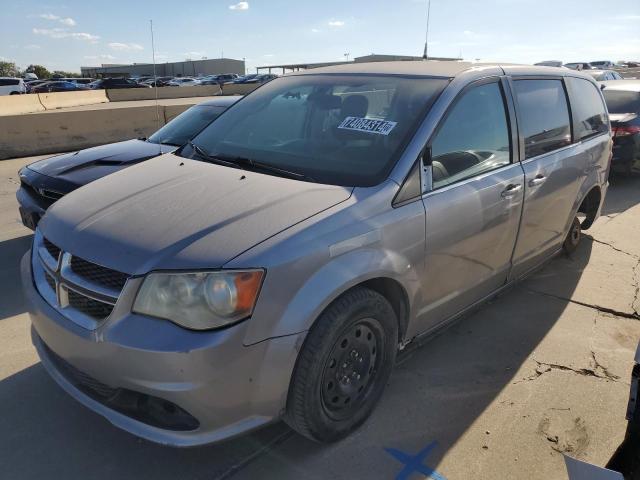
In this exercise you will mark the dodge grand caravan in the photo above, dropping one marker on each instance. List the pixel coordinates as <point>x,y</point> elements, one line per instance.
<point>275,265</point>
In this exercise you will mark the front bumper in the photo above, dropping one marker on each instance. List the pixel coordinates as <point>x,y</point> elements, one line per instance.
<point>228,387</point>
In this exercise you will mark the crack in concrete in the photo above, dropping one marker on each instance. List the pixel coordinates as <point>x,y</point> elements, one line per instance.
<point>597,371</point>
<point>633,316</point>
<point>635,304</point>
<point>632,255</point>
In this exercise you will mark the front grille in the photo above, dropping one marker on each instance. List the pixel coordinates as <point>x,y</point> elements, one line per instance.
<point>52,249</point>
<point>96,273</point>
<point>50,281</point>
<point>83,291</point>
<point>89,306</point>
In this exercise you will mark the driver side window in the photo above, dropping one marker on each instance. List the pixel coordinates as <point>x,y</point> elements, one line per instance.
<point>474,137</point>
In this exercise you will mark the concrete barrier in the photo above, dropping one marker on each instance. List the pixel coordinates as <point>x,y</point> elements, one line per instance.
<point>60,131</point>
<point>16,104</point>
<point>55,100</point>
<point>172,111</point>
<point>132,94</point>
<point>239,88</point>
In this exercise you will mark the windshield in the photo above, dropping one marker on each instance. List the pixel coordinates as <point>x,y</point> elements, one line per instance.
<point>186,125</point>
<point>337,129</point>
<point>620,101</point>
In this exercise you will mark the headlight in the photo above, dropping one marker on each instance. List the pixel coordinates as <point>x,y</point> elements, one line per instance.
<point>200,301</point>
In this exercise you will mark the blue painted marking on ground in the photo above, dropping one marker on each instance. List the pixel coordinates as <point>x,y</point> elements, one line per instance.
<point>415,463</point>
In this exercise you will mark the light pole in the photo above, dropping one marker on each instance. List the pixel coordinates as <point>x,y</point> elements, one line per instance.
<point>425,55</point>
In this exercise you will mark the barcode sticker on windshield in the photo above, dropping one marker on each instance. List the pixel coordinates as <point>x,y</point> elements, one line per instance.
<point>370,125</point>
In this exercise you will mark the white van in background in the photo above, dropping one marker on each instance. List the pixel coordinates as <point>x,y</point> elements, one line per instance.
<point>12,86</point>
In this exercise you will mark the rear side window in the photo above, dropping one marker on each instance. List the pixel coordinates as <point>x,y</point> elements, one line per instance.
<point>8,81</point>
<point>588,109</point>
<point>621,101</point>
<point>474,137</point>
<point>544,115</point>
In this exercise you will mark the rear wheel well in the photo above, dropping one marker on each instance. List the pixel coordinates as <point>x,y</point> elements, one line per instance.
<point>589,207</point>
<point>396,296</point>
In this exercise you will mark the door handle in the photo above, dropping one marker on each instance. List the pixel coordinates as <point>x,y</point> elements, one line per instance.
<point>539,180</point>
<point>511,190</point>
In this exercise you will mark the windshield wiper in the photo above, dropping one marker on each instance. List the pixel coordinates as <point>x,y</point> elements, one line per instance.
<point>247,164</point>
<point>250,164</point>
<point>204,155</point>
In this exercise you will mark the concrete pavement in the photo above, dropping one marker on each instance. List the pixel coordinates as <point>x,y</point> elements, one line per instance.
<point>540,371</point>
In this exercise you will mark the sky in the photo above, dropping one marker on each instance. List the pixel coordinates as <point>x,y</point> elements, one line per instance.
<point>66,35</point>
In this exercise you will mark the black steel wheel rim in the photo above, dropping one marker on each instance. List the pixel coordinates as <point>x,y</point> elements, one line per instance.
<point>351,368</point>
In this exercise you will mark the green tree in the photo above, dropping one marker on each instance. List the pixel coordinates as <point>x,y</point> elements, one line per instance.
<point>8,69</point>
<point>62,73</point>
<point>39,70</point>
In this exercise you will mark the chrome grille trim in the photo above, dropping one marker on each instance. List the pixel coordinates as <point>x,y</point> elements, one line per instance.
<point>54,279</point>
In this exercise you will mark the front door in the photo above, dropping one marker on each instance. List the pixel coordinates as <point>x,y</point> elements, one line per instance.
<point>473,210</point>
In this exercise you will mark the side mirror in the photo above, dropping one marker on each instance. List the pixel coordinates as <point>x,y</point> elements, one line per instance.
<point>426,156</point>
<point>426,171</point>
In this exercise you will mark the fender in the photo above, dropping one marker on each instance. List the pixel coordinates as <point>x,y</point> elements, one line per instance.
<point>335,277</point>
<point>596,176</point>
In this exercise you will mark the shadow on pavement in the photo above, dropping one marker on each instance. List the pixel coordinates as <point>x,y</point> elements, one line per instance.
<point>47,434</point>
<point>440,389</point>
<point>11,252</point>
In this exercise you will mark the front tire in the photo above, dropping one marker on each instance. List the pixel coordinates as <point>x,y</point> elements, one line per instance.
<point>573,237</point>
<point>344,365</point>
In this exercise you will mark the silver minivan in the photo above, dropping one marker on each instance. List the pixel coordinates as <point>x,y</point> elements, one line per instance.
<point>274,266</point>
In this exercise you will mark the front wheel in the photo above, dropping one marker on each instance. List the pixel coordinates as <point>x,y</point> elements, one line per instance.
<point>573,237</point>
<point>344,365</point>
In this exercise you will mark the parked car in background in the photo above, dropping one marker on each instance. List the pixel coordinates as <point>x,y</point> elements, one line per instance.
<point>79,81</point>
<point>34,83</point>
<point>623,103</point>
<point>549,63</point>
<point>30,76</point>
<point>603,75</point>
<point>45,181</point>
<point>115,83</point>
<point>183,82</point>
<point>261,78</point>
<point>12,86</point>
<point>245,78</point>
<point>58,86</point>
<point>603,64</point>
<point>161,81</point>
<point>221,78</point>
<point>578,66</point>
<point>227,77</point>
<point>276,264</point>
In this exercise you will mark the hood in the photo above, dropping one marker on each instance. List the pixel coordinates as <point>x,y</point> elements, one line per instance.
<point>84,166</point>
<point>176,213</point>
<point>616,118</point>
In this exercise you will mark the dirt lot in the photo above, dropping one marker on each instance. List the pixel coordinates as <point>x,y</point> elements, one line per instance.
<point>540,371</point>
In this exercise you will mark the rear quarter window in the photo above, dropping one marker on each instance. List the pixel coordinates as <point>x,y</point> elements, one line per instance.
<point>543,115</point>
<point>9,81</point>
<point>588,109</point>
